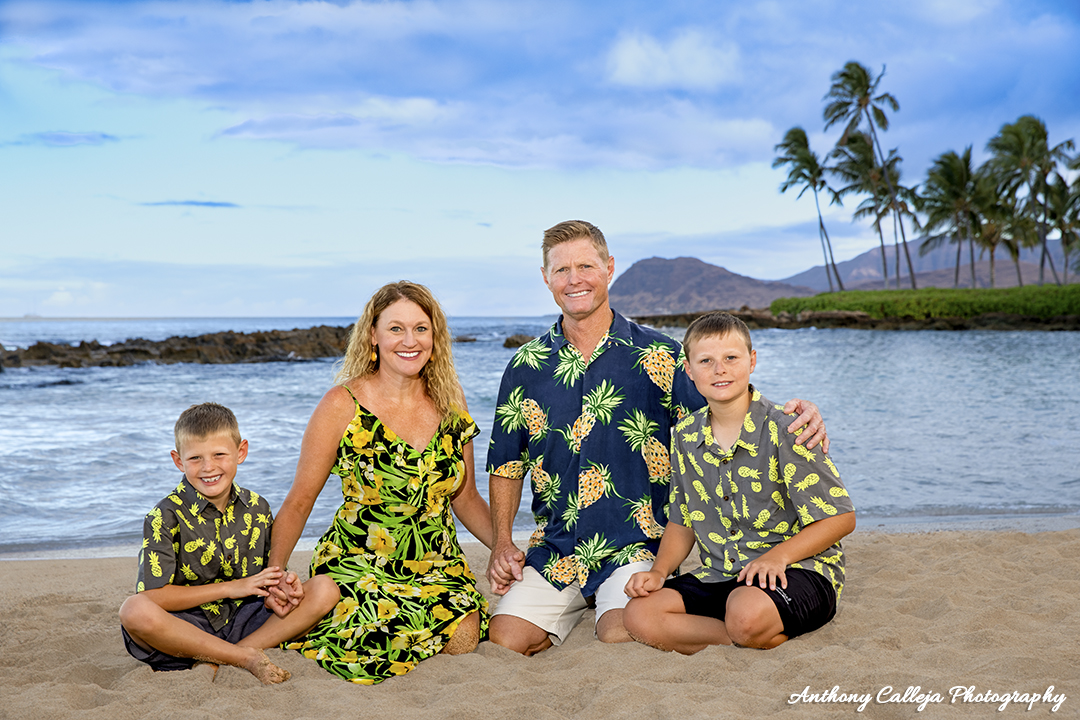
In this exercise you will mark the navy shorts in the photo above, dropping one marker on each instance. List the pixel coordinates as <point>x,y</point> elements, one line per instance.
<point>808,602</point>
<point>248,618</point>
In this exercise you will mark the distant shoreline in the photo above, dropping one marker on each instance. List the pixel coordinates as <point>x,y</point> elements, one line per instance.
<point>763,318</point>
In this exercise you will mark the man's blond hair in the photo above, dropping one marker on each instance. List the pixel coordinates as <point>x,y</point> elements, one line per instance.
<point>574,230</point>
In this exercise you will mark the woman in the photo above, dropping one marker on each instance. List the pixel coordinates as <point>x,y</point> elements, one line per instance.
<point>396,430</point>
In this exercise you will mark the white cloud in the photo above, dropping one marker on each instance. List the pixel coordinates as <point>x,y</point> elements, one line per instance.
<point>690,61</point>
<point>953,12</point>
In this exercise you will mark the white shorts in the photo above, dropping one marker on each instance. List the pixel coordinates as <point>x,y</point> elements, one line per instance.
<point>557,611</point>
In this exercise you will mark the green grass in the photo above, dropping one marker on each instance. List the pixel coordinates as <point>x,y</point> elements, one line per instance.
<point>1039,301</point>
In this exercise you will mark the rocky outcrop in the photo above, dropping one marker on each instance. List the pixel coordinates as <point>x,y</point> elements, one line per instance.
<point>298,345</point>
<point>516,341</point>
<point>762,318</point>
<point>223,347</point>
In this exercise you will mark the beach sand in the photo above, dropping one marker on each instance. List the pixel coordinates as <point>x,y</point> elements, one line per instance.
<point>934,610</point>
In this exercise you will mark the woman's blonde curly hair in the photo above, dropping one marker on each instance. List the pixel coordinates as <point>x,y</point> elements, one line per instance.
<point>440,378</point>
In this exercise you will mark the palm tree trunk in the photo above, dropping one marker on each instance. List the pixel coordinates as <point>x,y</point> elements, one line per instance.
<point>892,194</point>
<point>992,267</point>
<point>884,264</point>
<point>896,248</point>
<point>971,255</point>
<point>959,249</point>
<point>828,243</point>
<point>821,237</point>
<point>1019,277</point>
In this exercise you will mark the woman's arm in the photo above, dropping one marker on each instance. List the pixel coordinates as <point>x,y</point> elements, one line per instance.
<point>318,452</point>
<point>469,506</point>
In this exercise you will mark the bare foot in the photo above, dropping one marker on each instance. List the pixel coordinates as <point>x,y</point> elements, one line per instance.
<point>204,669</point>
<point>267,672</point>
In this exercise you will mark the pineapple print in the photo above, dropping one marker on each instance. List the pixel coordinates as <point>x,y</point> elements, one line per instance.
<point>593,484</point>
<point>561,570</point>
<point>532,353</point>
<point>519,411</point>
<point>597,405</point>
<point>571,365</point>
<point>590,555</point>
<point>537,538</point>
<point>642,514</point>
<point>639,431</point>
<point>658,364</point>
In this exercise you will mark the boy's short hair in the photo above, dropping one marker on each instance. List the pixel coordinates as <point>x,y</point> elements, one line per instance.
<point>202,421</point>
<point>574,230</point>
<point>715,324</point>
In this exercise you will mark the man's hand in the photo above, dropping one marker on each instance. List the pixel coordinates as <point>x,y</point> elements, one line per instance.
<point>811,422</point>
<point>255,584</point>
<point>504,567</point>
<point>643,583</point>
<point>285,595</point>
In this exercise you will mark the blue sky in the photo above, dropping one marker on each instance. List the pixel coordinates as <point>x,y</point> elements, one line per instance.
<point>287,158</point>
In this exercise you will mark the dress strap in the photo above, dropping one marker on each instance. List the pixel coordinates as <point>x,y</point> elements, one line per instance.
<point>352,396</point>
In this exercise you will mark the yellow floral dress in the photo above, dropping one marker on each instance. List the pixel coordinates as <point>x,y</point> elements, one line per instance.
<point>393,551</point>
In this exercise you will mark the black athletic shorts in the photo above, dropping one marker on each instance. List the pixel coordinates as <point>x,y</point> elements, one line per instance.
<point>807,603</point>
<point>248,618</point>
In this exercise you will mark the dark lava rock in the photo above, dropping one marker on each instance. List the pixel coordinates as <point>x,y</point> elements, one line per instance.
<point>516,341</point>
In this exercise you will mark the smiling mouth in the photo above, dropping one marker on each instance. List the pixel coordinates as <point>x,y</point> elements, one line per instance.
<point>579,293</point>
<point>211,480</point>
<point>408,355</point>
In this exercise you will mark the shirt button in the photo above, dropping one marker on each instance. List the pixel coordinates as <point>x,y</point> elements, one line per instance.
<point>726,460</point>
<point>733,532</point>
<point>726,497</point>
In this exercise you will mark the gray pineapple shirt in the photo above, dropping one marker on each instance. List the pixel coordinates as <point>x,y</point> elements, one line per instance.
<point>764,490</point>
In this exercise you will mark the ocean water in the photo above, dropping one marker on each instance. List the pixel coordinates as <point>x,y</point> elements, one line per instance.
<point>924,425</point>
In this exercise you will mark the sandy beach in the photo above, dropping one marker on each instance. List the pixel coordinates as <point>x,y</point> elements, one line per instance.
<point>922,613</point>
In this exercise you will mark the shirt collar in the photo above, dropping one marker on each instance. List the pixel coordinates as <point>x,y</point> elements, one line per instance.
<point>191,496</point>
<point>757,413</point>
<point>619,329</point>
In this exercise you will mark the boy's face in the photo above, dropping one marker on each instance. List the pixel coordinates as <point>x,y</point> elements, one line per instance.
<point>209,464</point>
<point>720,366</point>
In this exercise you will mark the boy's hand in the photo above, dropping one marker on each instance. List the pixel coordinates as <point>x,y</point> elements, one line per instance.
<point>643,583</point>
<point>766,570</point>
<point>285,595</point>
<point>255,584</point>
<point>505,567</point>
<point>810,417</point>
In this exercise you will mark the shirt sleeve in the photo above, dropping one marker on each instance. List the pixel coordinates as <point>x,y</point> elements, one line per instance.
<point>509,433</point>
<point>676,508</point>
<point>812,480</point>
<point>157,559</point>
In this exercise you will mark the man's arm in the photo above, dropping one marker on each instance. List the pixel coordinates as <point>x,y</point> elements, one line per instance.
<point>507,560</point>
<point>174,598</point>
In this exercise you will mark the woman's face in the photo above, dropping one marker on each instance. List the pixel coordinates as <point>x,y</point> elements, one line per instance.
<point>403,337</point>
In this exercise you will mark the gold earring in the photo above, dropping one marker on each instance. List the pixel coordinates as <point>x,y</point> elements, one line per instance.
<point>374,354</point>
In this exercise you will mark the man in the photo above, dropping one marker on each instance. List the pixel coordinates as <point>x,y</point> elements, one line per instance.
<point>587,410</point>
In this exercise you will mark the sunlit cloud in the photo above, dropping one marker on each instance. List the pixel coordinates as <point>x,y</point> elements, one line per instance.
<point>690,61</point>
<point>190,203</point>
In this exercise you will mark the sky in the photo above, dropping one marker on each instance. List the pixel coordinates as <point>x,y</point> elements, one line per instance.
<point>286,158</point>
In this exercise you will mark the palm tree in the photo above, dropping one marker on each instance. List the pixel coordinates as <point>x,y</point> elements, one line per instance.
<point>854,96</point>
<point>906,202</point>
<point>1022,156</point>
<point>805,169</point>
<point>1063,204</point>
<point>857,166</point>
<point>950,200</point>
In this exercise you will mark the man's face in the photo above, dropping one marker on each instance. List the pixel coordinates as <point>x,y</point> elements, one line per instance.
<point>578,278</point>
